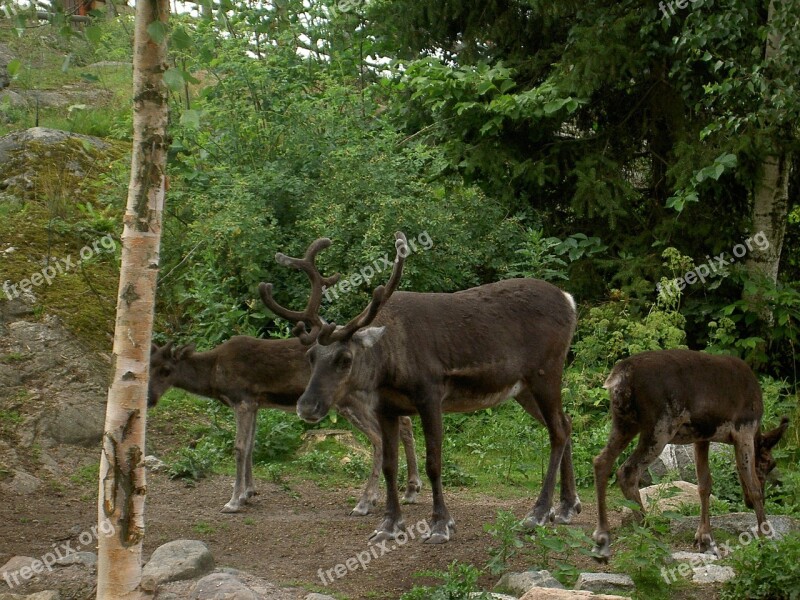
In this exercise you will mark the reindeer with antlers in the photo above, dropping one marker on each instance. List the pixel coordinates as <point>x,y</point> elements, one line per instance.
<point>429,353</point>
<point>246,374</point>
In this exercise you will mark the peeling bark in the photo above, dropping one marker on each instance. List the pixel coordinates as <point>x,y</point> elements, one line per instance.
<point>122,476</point>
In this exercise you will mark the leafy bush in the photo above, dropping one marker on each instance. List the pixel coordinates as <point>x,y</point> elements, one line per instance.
<point>459,583</point>
<point>765,570</point>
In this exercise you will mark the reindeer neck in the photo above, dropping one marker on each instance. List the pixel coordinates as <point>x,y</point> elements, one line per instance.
<point>196,374</point>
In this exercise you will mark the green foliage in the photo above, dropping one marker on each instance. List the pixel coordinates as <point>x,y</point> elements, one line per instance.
<point>645,553</point>
<point>765,570</point>
<point>556,549</point>
<point>506,531</point>
<point>459,582</point>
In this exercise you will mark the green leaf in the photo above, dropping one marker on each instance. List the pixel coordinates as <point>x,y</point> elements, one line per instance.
<point>191,119</point>
<point>93,33</point>
<point>13,67</point>
<point>180,38</point>
<point>555,105</point>
<point>173,78</point>
<point>157,31</point>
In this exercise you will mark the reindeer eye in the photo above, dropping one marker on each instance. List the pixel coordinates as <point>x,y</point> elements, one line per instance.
<point>344,360</point>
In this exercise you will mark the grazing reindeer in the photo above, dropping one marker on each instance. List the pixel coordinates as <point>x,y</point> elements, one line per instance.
<point>246,374</point>
<point>683,397</point>
<point>434,353</point>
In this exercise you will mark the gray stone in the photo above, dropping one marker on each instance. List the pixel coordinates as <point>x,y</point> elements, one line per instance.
<point>556,594</point>
<point>155,464</point>
<point>736,523</point>
<point>519,583</point>
<point>180,559</point>
<point>45,595</point>
<point>18,140</point>
<point>222,586</point>
<point>670,495</point>
<point>15,564</point>
<point>88,559</point>
<point>21,484</point>
<point>79,425</point>
<point>316,596</point>
<point>604,582</point>
<point>712,574</point>
<point>111,63</point>
<point>675,458</point>
<point>696,558</point>
<point>491,596</point>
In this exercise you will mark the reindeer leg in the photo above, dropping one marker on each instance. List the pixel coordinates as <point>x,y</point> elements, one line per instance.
<point>414,482</point>
<point>244,424</point>
<point>250,486</point>
<point>544,404</point>
<point>702,539</point>
<point>442,524</point>
<point>367,422</point>
<point>744,445</point>
<point>618,440</point>
<point>650,445</point>
<point>392,523</point>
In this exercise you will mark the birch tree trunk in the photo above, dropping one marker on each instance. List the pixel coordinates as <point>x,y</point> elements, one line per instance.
<point>771,192</point>
<point>122,475</point>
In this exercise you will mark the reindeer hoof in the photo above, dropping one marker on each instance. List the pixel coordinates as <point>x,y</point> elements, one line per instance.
<point>533,520</point>
<point>566,513</point>
<point>705,543</point>
<point>440,533</point>
<point>231,508</point>
<point>387,530</point>
<point>409,498</point>
<point>362,509</point>
<point>601,554</point>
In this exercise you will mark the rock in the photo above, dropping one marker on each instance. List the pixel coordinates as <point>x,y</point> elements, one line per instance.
<point>155,464</point>
<point>674,458</point>
<point>556,594</point>
<point>21,484</point>
<point>79,425</point>
<point>111,63</point>
<point>736,524</point>
<point>180,559</point>
<point>12,567</point>
<point>712,574</point>
<point>604,582</point>
<point>18,140</point>
<point>667,498</point>
<point>46,595</point>
<point>222,586</point>
<point>519,583</point>
<point>88,559</point>
<point>696,558</point>
<point>315,596</point>
<point>491,596</point>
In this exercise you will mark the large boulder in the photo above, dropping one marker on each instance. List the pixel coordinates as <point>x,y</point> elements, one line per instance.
<point>520,583</point>
<point>736,524</point>
<point>670,495</point>
<point>175,561</point>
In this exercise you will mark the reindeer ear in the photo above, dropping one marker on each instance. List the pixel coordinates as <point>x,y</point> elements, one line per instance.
<point>366,338</point>
<point>153,349</point>
<point>770,438</point>
<point>184,352</point>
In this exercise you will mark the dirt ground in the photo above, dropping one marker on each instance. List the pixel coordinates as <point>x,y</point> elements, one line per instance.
<point>286,535</point>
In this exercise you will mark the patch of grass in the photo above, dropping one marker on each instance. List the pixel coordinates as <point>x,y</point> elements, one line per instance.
<point>203,528</point>
<point>86,475</point>
<point>15,357</point>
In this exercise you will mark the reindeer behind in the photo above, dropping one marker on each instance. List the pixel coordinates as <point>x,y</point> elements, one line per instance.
<point>246,374</point>
<point>683,397</point>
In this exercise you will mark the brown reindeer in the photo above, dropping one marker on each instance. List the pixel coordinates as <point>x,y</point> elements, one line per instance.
<point>246,374</point>
<point>684,397</point>
<point>432,353</point>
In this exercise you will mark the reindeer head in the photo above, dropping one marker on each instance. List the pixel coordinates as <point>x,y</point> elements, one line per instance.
<point>765,463</point>
<point>340,358</point>
<point>164,365</point>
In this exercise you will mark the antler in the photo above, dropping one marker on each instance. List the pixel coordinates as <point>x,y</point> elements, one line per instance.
<point>310,315</point>
<point>330,334</point>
